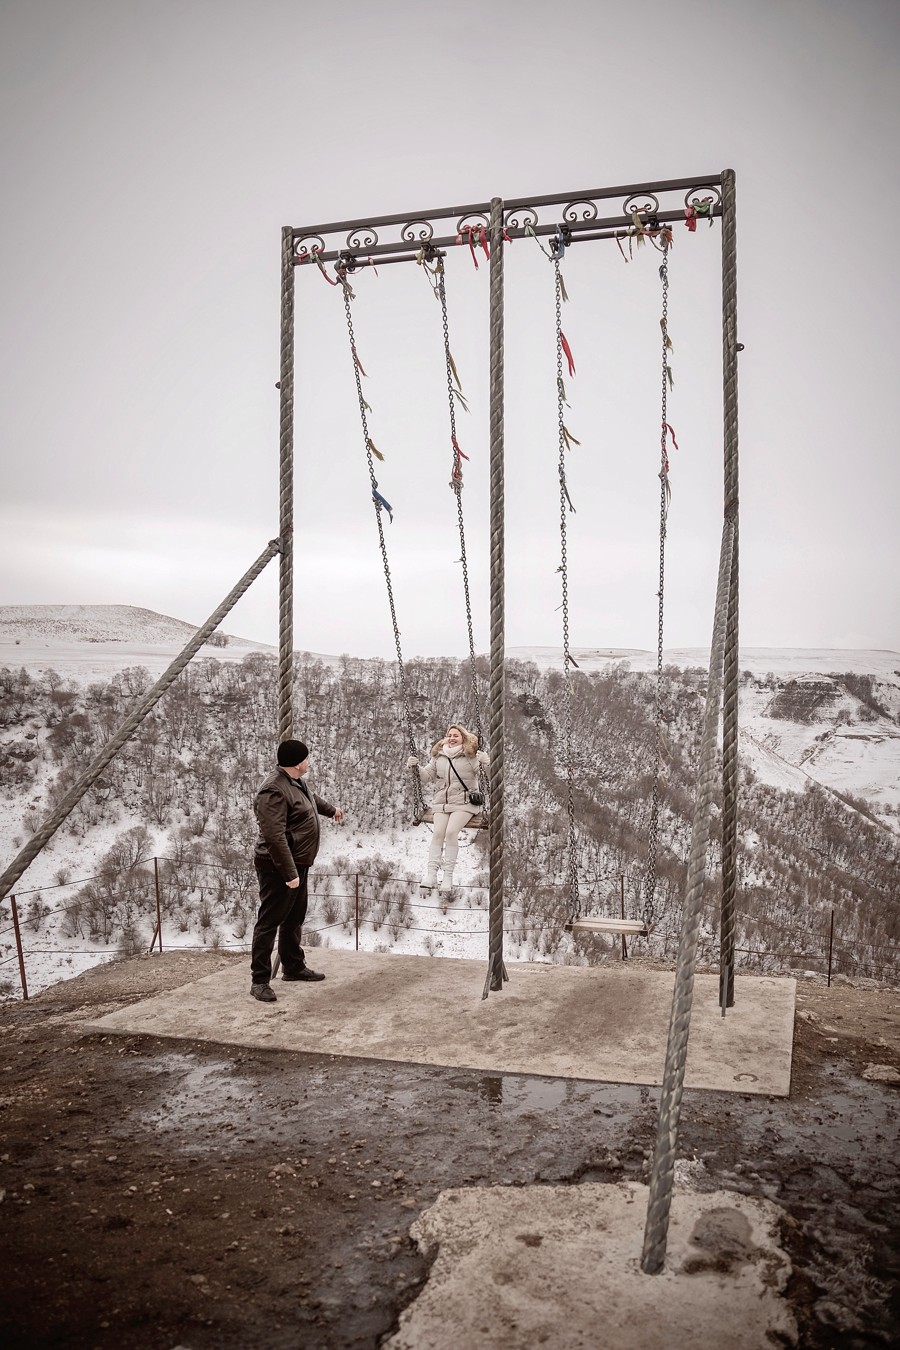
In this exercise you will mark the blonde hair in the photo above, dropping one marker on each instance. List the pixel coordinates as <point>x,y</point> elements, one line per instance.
<point>469,741</point>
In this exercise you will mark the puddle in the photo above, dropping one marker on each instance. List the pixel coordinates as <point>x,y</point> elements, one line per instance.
<point>524,1096</point>
<point>199,1093</point>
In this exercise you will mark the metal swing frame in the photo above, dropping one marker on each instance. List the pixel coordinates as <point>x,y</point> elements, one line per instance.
<point>593,214</point>
<point>604,214</point>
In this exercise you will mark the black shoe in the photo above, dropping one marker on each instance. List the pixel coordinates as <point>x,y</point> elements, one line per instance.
<point>264,992</point>
<point>304,973</point>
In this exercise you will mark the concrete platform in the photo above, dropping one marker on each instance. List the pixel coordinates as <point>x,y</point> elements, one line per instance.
<point>602,1023</point>
<point>559,1267</point>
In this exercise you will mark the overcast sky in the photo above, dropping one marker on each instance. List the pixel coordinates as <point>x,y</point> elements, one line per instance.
<point>151,153</point>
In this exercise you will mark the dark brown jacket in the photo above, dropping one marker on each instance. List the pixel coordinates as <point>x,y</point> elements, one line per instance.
<point>288,823</point>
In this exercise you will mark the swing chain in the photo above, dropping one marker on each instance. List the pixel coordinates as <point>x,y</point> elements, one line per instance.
<point>404,692</point>
<point>653,836</point>
<point>574,901</point>
<point>456,484</point>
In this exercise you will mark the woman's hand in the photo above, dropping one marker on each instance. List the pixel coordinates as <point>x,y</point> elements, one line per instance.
<point>412,762</point>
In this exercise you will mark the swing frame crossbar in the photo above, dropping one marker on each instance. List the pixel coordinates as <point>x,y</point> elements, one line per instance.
<point>580,218</point>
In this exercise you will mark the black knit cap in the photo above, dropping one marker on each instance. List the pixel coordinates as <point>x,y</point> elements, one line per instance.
<point>291,753</point>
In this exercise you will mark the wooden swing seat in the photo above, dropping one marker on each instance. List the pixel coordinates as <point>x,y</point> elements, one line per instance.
<point>477,822</point>
<point>634,927</point>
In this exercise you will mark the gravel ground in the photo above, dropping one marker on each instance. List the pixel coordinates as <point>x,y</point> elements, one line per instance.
<point>178,1194</point>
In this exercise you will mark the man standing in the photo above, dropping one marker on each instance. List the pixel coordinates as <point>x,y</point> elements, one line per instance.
<point>288,815</point>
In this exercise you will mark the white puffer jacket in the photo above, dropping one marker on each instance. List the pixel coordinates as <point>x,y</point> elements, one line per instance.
<point>449,794</point>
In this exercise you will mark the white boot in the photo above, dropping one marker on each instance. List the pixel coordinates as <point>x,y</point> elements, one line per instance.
<point>431,874</point>
<point>447,880</point>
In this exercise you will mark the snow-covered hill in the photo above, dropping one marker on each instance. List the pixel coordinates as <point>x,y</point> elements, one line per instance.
<point>780,661</point>
<point>28,624</point>
<point>801,718</point>
<point>88,642</point>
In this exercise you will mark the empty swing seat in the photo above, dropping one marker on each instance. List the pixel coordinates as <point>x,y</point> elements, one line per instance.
<point>626,927</point>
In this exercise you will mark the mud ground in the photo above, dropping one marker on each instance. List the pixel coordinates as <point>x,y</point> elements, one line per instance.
<point>162,1194</point>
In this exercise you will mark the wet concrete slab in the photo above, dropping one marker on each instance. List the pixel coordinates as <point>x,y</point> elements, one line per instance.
<point>559,1267</point>
<point>602,1023</point>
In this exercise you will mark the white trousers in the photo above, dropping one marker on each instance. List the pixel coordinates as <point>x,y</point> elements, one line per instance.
<point>446,835</point>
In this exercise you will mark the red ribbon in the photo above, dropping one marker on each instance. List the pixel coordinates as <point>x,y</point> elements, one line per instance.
<point>476,234</point>
<point>458,456</point>
<point>568,352</point>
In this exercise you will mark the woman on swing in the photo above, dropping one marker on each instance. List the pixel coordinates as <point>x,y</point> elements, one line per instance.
<point>453,769</point>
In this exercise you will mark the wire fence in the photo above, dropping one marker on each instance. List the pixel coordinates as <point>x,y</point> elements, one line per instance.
<point>360,909</point>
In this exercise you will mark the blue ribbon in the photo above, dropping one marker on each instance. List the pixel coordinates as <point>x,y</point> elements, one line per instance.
<point>383,504</point>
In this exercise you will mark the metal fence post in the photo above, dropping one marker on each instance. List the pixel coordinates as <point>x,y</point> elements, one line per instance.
<point>158,907</point>
<point>356,896</point>
<point>830,946</point>
<point>15,917</point>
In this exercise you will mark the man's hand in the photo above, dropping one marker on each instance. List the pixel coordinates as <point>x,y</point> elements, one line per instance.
<point>339,816</point>
<point>292,885</point>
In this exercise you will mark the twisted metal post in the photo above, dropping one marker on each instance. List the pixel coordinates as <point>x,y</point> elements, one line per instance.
<point>286,494</point>
<point>653,833</point>
<point>130,725</point>
<point>496,972</point>
<point>662,1176</point>
<point>730,349</point>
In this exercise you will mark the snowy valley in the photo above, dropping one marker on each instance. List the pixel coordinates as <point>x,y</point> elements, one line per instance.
<point>819,803</point>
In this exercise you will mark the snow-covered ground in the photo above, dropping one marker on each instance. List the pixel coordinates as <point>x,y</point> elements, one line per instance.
<point>83,643</point>
<point>783,662</point>
<point>860,759</point>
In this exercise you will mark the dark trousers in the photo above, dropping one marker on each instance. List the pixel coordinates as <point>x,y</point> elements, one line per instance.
<point>282,910</point>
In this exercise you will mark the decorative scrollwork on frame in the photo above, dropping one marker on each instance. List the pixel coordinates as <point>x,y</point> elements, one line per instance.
<point>642,203</point>
<point>417,232</point>
<point>307,246</point>
<point>521,217</point>
<point>580,210</point>
<point>702,195</point>
<point>361,239</point>
<point>472,221</point>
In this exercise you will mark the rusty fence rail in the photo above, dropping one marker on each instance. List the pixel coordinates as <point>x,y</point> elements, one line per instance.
<point>351,908</point>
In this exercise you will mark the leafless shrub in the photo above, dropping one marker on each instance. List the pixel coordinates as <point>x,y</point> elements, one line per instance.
<point>36,914</point>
